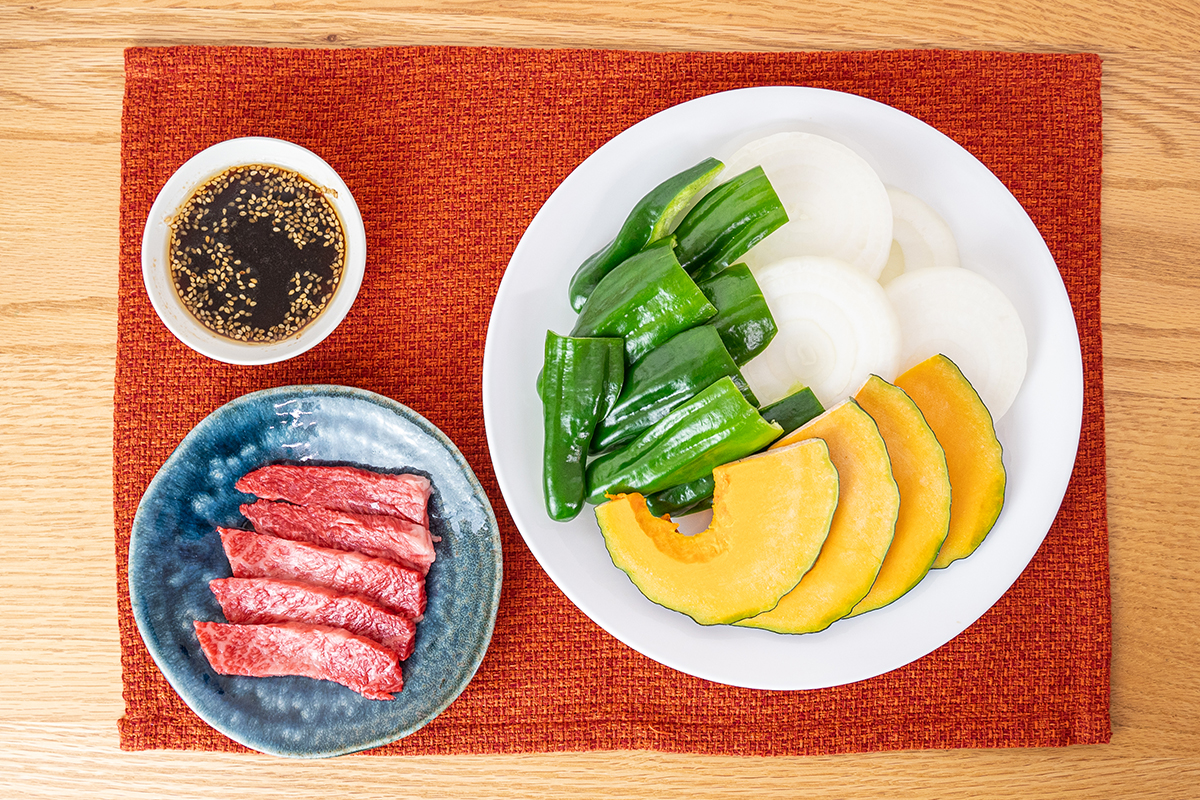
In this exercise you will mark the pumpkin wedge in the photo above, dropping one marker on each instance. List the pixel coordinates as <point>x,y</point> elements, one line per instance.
<point>861,530</point>
<point>964,428</point>
<point>771,514</point>
<point>919,467</point>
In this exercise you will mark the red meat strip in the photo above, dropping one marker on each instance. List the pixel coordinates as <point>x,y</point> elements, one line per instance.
<point>259,600</point>
<point>342,488</point>
<point>294,648</point>
<point>395,538</point>
<point>391,585</point>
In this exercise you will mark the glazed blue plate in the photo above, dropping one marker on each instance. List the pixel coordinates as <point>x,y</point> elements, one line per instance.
<point>175,551</point>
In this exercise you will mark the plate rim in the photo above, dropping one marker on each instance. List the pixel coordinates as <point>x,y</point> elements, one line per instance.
<point>197,432</point>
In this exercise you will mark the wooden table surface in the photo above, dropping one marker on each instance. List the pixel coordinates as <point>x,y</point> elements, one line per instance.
<point>61,86</point>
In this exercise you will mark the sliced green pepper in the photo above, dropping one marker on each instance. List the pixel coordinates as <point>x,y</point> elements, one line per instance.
<point>743,318</point>
<point>684,499</point>
<point>713,427</point>
<point>789,413</point>
<point>794,410</point>
<point>581,379</point>
<point>649,221</point>
<point>666,377</point>
<point>646,300</point>
<point>727,222</point>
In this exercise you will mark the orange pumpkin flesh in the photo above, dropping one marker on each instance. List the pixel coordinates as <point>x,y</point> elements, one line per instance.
<point>919,467</point>
<point>771,514</point>
<point>964,428</point>
<point>861,531</point>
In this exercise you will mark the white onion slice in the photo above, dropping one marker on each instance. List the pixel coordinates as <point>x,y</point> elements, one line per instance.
<point>966,318</point>
<point>920,237</point>
<point>836,329</point>
<point>837,206</point>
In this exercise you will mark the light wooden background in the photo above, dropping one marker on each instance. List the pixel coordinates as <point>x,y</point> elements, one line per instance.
<point>60,105</point>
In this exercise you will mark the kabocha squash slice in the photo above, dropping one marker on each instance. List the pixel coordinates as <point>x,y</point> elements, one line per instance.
<point>964,428</point>
<point>919,467</point>
<point>771,514</point>
<point>860,532</point>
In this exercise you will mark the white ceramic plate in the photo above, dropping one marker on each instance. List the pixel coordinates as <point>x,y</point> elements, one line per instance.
<point>1040,433</point>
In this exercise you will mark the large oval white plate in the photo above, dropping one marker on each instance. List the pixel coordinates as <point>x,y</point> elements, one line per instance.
<point>1040,433</point>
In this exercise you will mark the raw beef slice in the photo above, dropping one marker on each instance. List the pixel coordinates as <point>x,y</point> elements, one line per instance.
<point>259,600</point>
<point>342,488</point>
<point>257,555</point>
<point>312,651</point>
<point>396,538</point>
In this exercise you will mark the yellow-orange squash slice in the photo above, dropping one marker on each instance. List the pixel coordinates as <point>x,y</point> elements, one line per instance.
<point>860,533</point>
<point>771,513</point>
<point>964,427</point>
<point>919,467</point>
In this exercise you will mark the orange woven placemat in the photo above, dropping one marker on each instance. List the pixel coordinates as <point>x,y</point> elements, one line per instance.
<point>449,153</point>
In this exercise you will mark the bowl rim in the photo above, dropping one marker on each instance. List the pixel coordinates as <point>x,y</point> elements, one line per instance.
<point>193,173</point>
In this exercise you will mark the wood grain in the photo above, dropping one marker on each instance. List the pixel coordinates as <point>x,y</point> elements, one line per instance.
<point>60,103</point>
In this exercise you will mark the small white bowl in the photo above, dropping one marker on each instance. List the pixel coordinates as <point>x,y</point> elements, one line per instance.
<point>199,169</point>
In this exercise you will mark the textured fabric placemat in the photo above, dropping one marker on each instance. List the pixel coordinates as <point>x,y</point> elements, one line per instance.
<point>449,153</point>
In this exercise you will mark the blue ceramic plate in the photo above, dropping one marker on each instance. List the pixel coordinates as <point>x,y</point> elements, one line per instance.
<point>175,551</point>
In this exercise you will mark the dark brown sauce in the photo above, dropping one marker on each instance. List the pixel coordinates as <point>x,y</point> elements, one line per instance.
<point>256,253</point>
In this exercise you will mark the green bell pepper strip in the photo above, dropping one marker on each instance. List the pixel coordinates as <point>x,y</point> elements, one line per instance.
<point>581,379</point>
<point>646,300</point>
<point>789,413</point>
<point>666,377</point>
<point>727,222</point>
<point>712,428</point>
<point>649,221</point>
<point>743,318</point>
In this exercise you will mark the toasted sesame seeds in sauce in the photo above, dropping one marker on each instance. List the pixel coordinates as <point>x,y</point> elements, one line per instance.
<point>256,253</point>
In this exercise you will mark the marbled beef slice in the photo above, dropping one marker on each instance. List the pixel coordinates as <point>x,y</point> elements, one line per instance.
<point>401,540</point>
<point>342,488</point>
<point>258,555</point>
<point>260,600</point>
<point>311,651</point>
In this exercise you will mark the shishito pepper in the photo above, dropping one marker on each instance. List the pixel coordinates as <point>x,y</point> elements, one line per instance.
<point>789,413</point>
<point>687,498</point>
<point>649,221</point>
<point>794,410</point>
<point>666,377</point>
<point>727,222</point>
<point>743,318</point>
<point>713,427</point>
<point>646,300</point>
<point>581,379</point>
